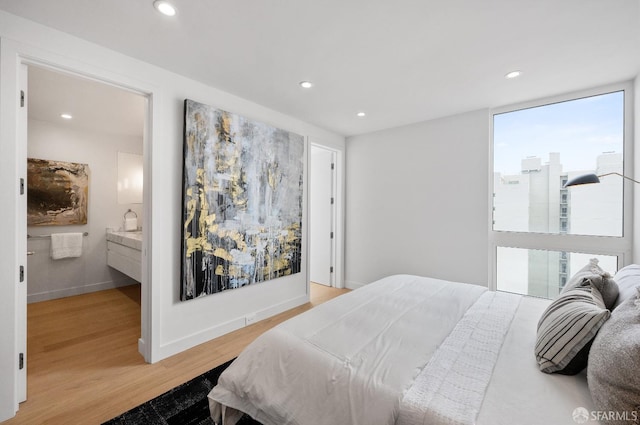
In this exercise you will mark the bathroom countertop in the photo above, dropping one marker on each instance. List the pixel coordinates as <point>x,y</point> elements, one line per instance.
<point>130,239</point>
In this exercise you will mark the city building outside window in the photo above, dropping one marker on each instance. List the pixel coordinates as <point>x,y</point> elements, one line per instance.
<point>542,232</point>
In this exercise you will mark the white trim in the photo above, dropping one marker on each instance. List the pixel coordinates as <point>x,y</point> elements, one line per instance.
<point>13,249</point>
<point>609,88</point>
<point>14,55</point>
<point>337,280</point>
<point>60,65</point>
<point>306,233</point>
<point>21,295</point>
<point>492,269</point>
<point>636,136</point>
<point>619,246</point>
<point>204,335</point>
<point>340,219</point>
<point>78,290</point>
<point>350,284</point>
<point>148,332</point>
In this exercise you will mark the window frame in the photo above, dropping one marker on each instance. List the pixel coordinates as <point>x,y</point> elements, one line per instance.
<point>620,246</point>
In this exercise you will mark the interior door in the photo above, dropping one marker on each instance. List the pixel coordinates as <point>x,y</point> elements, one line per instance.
<point>21,292</point>
<point>321,215</point>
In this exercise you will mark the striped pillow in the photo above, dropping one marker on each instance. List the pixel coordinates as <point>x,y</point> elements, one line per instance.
<point>569,323</point>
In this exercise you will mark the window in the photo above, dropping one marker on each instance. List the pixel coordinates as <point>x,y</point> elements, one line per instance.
<point>541,231</point>
<point>539,272</point>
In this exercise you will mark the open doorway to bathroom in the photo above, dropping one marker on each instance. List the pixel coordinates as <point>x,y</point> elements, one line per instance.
<point>83,305</point>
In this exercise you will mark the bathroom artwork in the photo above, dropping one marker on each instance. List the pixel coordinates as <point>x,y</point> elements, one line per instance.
<point>242,201</point>
<point>57,192</point>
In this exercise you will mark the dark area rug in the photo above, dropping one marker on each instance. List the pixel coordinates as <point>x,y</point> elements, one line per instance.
<point>186,404</point>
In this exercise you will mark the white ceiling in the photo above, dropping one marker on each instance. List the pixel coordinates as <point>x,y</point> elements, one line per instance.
<point>94,106</point>
<point>400,61</point>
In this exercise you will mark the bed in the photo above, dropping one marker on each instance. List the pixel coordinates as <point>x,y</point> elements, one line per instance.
<point>404,350</point>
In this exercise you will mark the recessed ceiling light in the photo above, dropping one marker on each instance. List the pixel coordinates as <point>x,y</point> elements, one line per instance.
<point>164,7</point>
<point>513,74</point>
<point>361,114</point>
<point>66,116</point>
<point>306,84</point>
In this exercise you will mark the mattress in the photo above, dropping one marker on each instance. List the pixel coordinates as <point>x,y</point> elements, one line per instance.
<point>403,350</point>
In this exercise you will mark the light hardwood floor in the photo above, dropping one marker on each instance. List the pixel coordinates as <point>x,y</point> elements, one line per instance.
<point>83,361</point>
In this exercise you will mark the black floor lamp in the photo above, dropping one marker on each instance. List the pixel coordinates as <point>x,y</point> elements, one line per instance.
<point>593,178</point>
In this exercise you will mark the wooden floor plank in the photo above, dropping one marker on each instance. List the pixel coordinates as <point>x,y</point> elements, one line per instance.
<point>83,361</point>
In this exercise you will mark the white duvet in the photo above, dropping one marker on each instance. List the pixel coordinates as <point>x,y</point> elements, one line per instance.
<point>399,350</point>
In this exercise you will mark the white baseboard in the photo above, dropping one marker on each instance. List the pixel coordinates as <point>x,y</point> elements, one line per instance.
<point>174,347</point>
<point>142,348</point>
<point>349,284</point>
<point>77,290</point>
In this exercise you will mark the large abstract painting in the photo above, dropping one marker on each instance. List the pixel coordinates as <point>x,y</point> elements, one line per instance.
<point>57,192</point>
<point>242,201</point>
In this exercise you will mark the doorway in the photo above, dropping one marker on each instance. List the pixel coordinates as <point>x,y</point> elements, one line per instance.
<point>322,215</point>
<point>77,120</point>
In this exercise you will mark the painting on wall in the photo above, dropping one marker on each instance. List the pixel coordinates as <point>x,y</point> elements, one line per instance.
<point>57,192</point>
<point>242,201</point>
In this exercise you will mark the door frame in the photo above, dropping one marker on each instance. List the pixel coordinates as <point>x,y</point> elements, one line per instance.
<point>337,279</point>
<point>13,152</point>
<point>332,248</point>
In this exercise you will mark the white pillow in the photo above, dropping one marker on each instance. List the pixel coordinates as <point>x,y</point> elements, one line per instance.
<point>628,279</point>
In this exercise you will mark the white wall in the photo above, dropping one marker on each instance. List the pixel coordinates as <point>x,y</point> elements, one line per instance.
<point>175,326</point>
<point>49,279</point>
<point>416,201</point>
<point>636,170</point>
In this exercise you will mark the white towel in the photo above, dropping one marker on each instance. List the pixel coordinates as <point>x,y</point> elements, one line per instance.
<point>130,223</point>
<point>66,245</point>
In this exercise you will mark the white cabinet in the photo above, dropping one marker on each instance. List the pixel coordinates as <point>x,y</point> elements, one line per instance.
<point>124,253</point>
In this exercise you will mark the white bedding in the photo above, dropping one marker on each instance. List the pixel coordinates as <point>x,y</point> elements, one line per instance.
<point>354,359</point>
<point>450,388</point>
<point>519,392</point>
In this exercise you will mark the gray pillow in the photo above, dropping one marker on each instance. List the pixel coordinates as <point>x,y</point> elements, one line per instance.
<point>569,324</point>
<point>628,279</point>
<point>590,269</point>
<point>614,362</point>
<point>592,274</point>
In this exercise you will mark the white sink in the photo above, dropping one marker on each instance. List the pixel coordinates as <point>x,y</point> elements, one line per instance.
<point>130,239</point>
<point>124,253</point>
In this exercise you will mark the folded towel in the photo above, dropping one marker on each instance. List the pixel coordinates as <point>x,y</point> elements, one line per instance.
<point>130,223</point>
<point>66,245</point>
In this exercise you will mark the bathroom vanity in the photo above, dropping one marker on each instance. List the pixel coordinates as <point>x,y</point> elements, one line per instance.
<point>124,252</point>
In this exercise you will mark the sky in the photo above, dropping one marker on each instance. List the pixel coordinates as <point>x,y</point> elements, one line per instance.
<point>579,129</point>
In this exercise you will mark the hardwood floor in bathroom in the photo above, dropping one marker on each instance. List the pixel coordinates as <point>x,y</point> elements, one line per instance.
<point>83,365</point>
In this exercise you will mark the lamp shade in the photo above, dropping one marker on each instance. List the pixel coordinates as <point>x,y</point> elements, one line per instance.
<point>583,179</point>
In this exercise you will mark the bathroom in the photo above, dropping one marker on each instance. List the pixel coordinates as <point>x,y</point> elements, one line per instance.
<point>80,121</point>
